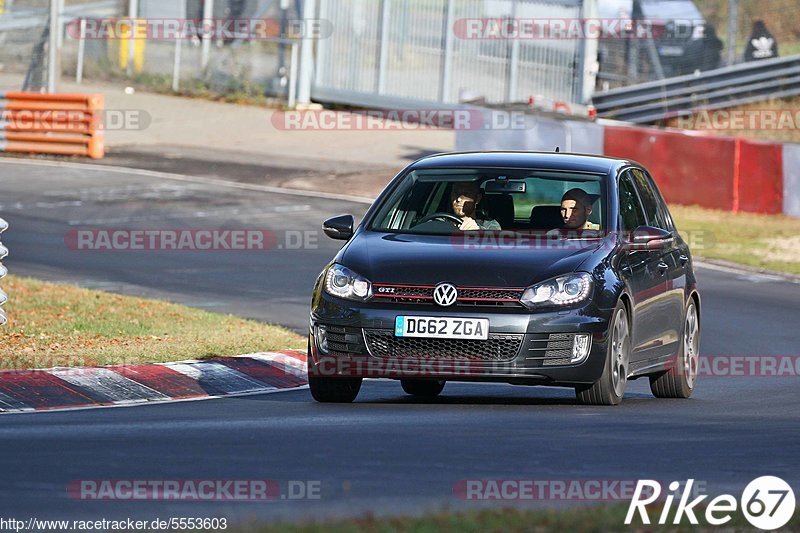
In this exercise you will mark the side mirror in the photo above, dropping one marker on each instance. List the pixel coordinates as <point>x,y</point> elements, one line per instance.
<point>649,238</point>
<point>340,228</point>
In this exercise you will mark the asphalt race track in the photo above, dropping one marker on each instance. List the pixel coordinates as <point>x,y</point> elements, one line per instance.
<point>385,453</point>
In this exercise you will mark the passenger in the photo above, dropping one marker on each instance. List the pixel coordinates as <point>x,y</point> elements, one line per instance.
<point>576,206</point>
<point>464,198</point>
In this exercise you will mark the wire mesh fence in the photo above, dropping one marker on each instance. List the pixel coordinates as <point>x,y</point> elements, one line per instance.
<point>413,49</point>
<point>680,37</point>
<point>424,50</point>
<point>95,44</point>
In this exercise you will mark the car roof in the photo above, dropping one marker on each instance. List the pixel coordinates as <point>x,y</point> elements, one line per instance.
<point>509,159</point>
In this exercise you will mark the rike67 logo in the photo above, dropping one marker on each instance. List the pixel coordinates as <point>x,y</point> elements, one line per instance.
<point>767,502</point>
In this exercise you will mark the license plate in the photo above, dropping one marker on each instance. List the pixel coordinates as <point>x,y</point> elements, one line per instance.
<point>441,327</point>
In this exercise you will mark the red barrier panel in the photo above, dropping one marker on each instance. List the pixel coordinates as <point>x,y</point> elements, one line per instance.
<point>716,172</point>
<point>689,169</point>
<point>760,177</point>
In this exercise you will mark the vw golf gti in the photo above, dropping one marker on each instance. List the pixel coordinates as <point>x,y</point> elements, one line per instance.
<point>519,267</point>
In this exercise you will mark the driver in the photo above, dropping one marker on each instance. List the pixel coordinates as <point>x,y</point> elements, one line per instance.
<point>464,198</point>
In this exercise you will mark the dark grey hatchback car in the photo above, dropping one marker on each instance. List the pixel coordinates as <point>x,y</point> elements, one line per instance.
<point>518,267</point>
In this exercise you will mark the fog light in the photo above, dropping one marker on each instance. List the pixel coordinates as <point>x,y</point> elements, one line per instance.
<point>321,334</point>
<point>580,347</point>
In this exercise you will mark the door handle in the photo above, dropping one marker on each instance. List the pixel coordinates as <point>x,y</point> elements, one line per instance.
<point>662,267</point>
<point>684,259</point>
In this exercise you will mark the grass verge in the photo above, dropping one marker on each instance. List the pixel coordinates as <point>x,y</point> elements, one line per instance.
<point>770,242</point>
<point>52,324</point>
<point>588,519</point>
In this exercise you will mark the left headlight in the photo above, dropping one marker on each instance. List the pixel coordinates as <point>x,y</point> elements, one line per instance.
<point>563,290</point>
<point>342,282</point>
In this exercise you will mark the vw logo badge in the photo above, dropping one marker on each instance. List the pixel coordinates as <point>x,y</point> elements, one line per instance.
<point>445,294</point>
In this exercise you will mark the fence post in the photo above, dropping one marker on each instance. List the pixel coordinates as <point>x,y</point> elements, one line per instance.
<point>176,60</point>
<point>133,12</point>
<point>208,13</point>
<point>81,51</point>
<point>733,26</point>
<point>292,97</point>
<point>176,64</point>
<point>306,57</point>
<point>447,64</point>
<point>513,63</point>
<point>383,46</point>
<point>53,67</point>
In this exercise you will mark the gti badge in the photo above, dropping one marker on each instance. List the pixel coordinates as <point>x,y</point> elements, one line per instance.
<point>445,294</point>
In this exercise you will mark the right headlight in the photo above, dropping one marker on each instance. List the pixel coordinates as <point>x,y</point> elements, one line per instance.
<point>563,290</point>
<point>342,282</point>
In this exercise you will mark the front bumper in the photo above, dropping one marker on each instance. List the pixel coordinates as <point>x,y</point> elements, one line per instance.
<point>360,324</point>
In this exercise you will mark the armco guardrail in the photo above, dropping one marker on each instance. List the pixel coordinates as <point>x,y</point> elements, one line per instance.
<point>64,124</point>
<point>3,272</point>
<point>716,89</point>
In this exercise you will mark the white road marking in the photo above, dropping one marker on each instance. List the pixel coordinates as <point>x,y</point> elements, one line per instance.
<point>748,275</point>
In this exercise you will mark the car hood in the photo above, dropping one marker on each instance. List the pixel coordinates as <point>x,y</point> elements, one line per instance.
<point>428,260</point>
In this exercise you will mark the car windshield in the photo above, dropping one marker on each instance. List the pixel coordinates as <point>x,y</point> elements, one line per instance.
<point>448,201</point>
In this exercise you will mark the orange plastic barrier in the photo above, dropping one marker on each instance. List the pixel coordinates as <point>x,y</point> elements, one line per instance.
<point>65,124</point>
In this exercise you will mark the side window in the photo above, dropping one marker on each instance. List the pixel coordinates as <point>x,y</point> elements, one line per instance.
<point>650,200</point>
<point>663,210</point>
<point>630,209</point>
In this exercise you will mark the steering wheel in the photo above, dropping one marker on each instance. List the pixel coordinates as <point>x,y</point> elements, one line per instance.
<point>444,217</point>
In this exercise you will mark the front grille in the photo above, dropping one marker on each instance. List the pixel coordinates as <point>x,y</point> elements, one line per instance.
<point>344,340</point>
<point>467,296</point>
<point>554,349</point>
<point>498,347</point>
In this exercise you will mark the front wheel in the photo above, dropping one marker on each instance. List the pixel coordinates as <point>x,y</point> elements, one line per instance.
<point>679,381</point>
<point>422,388</point>
<point>334,390</point>
<point>610,388</point>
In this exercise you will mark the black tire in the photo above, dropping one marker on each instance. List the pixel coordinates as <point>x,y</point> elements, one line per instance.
<point>334,390</point>
<point>331,390</point>
<point>680,380</point>
<point>422,388</point>
<point>610,388</point>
